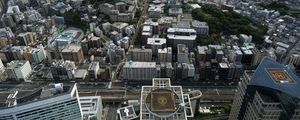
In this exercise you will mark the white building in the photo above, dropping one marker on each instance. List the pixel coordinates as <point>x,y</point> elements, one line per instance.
<point>91,107</point>
<point>18,70</point>
<point>139,70</point>
<point>93,70</point>
<point>155,44</point>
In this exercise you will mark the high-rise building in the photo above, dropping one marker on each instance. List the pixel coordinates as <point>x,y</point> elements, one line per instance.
<point>18,70</point>
<point>140,70</point>
<point>140,54</point>
<point>164,101</point>
<point>268,93</point>
<point>91,107</point>
<point>53,101</point>
<point>49,102</point>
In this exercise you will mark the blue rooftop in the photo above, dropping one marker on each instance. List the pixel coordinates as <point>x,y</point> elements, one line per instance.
<point>272,74</point>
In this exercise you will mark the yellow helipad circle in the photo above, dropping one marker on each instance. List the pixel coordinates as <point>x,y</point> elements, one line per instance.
<point>162,100</point>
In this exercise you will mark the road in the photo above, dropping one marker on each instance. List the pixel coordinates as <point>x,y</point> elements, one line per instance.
<point>140,22</point>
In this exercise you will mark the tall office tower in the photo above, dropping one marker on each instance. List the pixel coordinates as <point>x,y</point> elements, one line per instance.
<point>55,101</point>
<point>271,92</point>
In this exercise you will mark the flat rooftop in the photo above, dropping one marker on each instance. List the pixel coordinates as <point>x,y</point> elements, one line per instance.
<point>162,100</point>
<point>140,65</point>
<point>280,76</point>
<point>72,48</point>
<point>16,64</point>
<point>156,41</point>
<point>90,104</point>
<point>28,93</point>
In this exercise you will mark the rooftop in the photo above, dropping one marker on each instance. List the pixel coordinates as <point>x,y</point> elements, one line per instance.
<point>67,36</point>
<point>196,23</point>
<point>16,64</point>
<point>131,64</point>
<point>156,41</point>
<point>119,25</point>
<point>273,75</point>
<point>127,113</point>
<point>90,104</point>
<point>162,100</point>
<point>72,48</point>
<point>28,93</point>
<point>182,48</point>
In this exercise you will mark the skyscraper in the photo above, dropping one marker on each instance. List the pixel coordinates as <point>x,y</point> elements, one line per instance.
<point>271,92</point>
<point>163,101</point>
<point>53,101</point>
